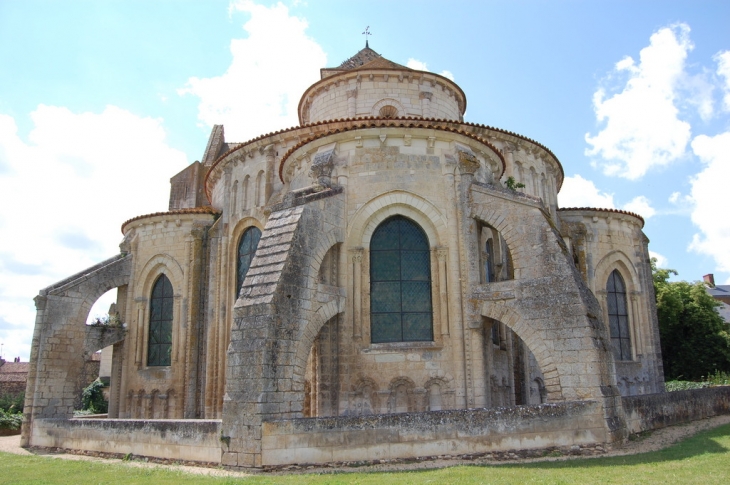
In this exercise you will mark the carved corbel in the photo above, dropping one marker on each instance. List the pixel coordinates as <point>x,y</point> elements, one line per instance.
<point>468,163</point>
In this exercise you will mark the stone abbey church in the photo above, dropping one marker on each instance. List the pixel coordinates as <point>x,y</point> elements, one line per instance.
<point>384,280</point>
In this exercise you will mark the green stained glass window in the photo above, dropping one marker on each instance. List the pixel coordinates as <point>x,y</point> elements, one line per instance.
<point>618,317</point>
<point>246,250</point>
<point>400,283</point>
<point>159,344</point>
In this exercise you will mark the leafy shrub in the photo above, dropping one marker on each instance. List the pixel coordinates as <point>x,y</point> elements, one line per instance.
<point>12,402</point>
<point>10,420</point>
<point>93,398</point>
<point>719,378</point>
<point>685,385</point>
<point>716,379</point>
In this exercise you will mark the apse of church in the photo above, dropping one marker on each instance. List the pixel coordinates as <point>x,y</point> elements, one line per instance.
<point>373,260</point>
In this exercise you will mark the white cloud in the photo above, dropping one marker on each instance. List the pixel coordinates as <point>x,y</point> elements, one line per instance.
<point>640,205</point>
<point>723,70</point>
<point>447,74</point>
<point>708,189</point>
<point>641,125</point>
<point>66,192</point>
<point>416,64</point>
<point>661,261</point>
<point>579,192</point>
<point>422,66</point>
<point>270,70</point>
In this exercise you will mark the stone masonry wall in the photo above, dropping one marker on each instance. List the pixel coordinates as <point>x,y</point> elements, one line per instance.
<point>413,94</point>
<point>194,440</point>
<point>434,433</point>
<point>653,411</point>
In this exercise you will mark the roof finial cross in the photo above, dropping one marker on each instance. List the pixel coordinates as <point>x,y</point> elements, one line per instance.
<point>366,33</point>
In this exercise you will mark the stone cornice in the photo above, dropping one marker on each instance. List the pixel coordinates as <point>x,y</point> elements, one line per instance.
<point>324,128</point>
<point>207,210</point>
<point>609,211</point>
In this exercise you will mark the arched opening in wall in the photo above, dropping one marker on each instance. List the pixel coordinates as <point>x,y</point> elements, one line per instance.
<point>513,376</point>
<point>618,316</point>
<point>328,270</point>
<point>260,189</point>
<point>104,314</point>
<point>494,254</point>
<point>388,112</point>
<point>321,374</point>
<point>102,308</point>
<point>244,194</point>
<point>400,283</point>
<point>159,341</point>
<point>247,246</point>
<point>234,198</point>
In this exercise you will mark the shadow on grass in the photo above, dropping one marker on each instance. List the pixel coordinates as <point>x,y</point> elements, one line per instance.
<point>700,444</point>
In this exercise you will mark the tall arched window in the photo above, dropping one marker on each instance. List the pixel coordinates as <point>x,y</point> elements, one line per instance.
<point>618,317</point>
<point>400,283</point>
<point>159,344</point>
<point>246,250</point>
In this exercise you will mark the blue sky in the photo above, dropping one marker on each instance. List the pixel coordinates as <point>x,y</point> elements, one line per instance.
<point>101,102</point>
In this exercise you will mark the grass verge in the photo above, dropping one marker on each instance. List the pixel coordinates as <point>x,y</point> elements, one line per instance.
<point>703,458</point>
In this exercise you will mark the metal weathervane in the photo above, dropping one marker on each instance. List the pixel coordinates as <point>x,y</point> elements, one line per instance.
<point>366,34</point>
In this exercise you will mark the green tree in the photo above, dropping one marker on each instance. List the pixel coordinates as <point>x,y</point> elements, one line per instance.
<point>695,339</point>
<point>93,398</point>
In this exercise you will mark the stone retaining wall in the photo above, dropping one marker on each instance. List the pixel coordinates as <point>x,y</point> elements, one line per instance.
<point>184,439</point>
<point>653,411</point>
<point>434,433</point>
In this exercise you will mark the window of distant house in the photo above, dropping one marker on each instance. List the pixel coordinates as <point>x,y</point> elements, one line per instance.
<point>618,317</point>
<point>400,283</point>
<point>159,345</point>
<point>246,250</point>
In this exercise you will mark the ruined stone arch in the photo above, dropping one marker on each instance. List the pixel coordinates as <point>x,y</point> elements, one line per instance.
<point>94,289</point>
<point>322,315</point>
<point>536,343</point>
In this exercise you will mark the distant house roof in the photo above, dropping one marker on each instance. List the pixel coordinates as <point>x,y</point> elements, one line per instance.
<point>14,371</point>
<point>719,291</point>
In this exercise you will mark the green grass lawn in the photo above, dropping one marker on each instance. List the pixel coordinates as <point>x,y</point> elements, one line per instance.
<point>704,458</point>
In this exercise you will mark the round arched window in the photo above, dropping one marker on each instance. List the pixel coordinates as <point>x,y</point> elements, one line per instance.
<point>246,250</point>
<point>400,283</point>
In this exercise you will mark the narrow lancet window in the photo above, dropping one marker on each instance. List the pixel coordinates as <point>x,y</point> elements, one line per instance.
<point>246,250</point>
<point>618,317</point>
<point>159,344</point>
